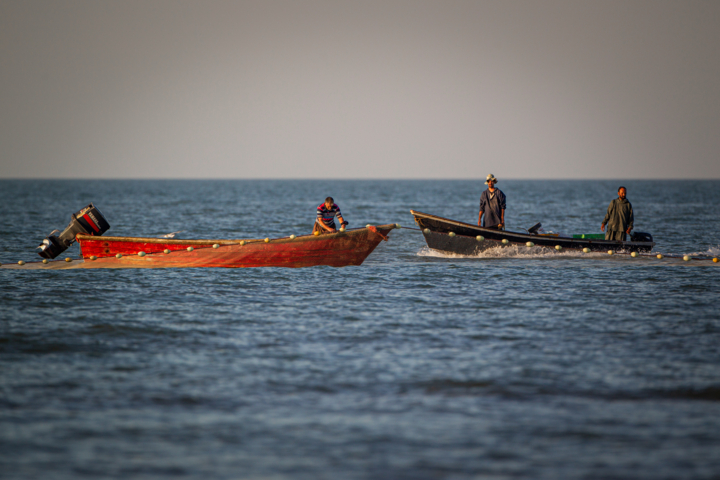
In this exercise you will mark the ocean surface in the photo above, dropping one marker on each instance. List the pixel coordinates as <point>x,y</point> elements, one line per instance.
<point>520,363</point>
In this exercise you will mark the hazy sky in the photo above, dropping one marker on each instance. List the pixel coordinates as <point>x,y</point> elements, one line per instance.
<point>359,89</point>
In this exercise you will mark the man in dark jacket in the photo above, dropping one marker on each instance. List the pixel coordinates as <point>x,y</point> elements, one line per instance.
<point>619,218</point>
<point>492,205</point>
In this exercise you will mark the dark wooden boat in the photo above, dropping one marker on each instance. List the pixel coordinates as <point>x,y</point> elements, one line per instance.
<point>466,239</point>
<point>340,249</point>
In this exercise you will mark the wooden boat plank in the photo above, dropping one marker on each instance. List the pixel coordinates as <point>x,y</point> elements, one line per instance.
<point>337,250</point>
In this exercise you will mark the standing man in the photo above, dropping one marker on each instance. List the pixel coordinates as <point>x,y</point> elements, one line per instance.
<point>492,205</point>
<point>326,212</point>
<point>619,218</point>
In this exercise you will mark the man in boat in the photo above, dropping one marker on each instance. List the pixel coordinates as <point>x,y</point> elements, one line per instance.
<point>619,217</point>
<point>326,213</point>
<point>492,206</point>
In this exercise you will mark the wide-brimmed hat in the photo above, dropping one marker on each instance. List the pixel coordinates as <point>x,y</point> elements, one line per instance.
<point>490,178</point>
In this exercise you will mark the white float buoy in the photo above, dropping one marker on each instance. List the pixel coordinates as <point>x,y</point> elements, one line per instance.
<point>505,241</point>
<point>659,255</point>
<point>633,254</point>
<point>21,262</point>
<point>292,237</point>
<point>479,238</point>
<point>166,250</point>
<point>68,259</point>
<point>216,245</point>
<point>45,261</point>
<point>368,226</point>
<point>119,255</point>
<point>190,249</point>
<point>452,234</point>
<point>342,229</point>
<point>686,258</point>
<point>586,250</point>
<point>529,244</point>
<point>141,254</point>
<point>558,247</point>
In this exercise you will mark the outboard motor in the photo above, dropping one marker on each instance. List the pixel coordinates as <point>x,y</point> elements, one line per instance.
<point>89,220</point>
<point>640,237</point>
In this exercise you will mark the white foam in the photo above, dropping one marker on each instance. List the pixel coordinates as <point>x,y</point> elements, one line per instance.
<point>512,251</point>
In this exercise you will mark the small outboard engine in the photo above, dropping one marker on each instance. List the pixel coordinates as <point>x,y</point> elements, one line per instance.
<point>640,237</point>
<point>89,220</point>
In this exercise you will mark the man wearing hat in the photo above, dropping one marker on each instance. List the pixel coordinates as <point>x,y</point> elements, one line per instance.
<point>492,206</point>
<point>619,217</point>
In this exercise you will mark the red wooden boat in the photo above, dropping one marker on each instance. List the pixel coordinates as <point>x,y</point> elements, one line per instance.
<point>87,226</point>
<point>340,249</point>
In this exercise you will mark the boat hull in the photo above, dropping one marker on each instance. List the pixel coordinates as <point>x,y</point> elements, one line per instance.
<point>336,250</point>
<point>437,232</point>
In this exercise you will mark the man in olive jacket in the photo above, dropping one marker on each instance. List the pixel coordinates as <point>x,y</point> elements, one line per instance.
<point>619,218</point>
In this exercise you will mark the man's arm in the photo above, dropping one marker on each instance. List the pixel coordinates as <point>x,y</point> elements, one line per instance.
<point>502,218</point>
<point>607,216</point>
<point>632,221</point>
<point>322,224</point>
<point>482,208</point>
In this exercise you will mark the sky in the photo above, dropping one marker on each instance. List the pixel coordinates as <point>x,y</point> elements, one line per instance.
<point>360,89</point>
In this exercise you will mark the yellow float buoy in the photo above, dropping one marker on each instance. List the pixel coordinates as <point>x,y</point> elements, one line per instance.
<point>586,250</point>
<point>316,233</point>
<point>558,247</point>
<point>119,255</point>
<point>397,225</point>
<point>217,245</point>
<point>68,259</point>
<point>659,255</point>
<point>452,234</point>
<point>190,249</point>
<point>505,241</point>
<point>242,242</point>
<point>141,254</point>
<point>529,244</point>
<point>342,229</point>
<point>633,254</point>
<point>267,240</point>
<point>686,258</point>
<point>480,238</point>
<point>368,226</point>
<point>715,260</point>
<point>167,250</point>
<point>21,263</point>
<point>45,261</point>
<point>292,237</point>
<point>610,252</point>
<point>93,257</point>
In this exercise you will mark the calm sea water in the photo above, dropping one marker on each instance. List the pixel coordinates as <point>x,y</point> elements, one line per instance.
<point>519,364</point>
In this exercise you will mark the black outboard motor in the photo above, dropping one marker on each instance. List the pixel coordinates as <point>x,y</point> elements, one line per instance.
<point>640,237</point>
<point>89,220</point>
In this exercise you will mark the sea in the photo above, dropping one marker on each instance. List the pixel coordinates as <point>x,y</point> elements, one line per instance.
<point>518,363</point>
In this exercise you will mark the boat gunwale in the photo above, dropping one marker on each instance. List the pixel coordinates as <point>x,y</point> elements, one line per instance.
<point>225,242</point>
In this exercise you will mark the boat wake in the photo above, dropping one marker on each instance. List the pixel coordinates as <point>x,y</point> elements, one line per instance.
<point>513,251</point>
<point>519,251</point>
